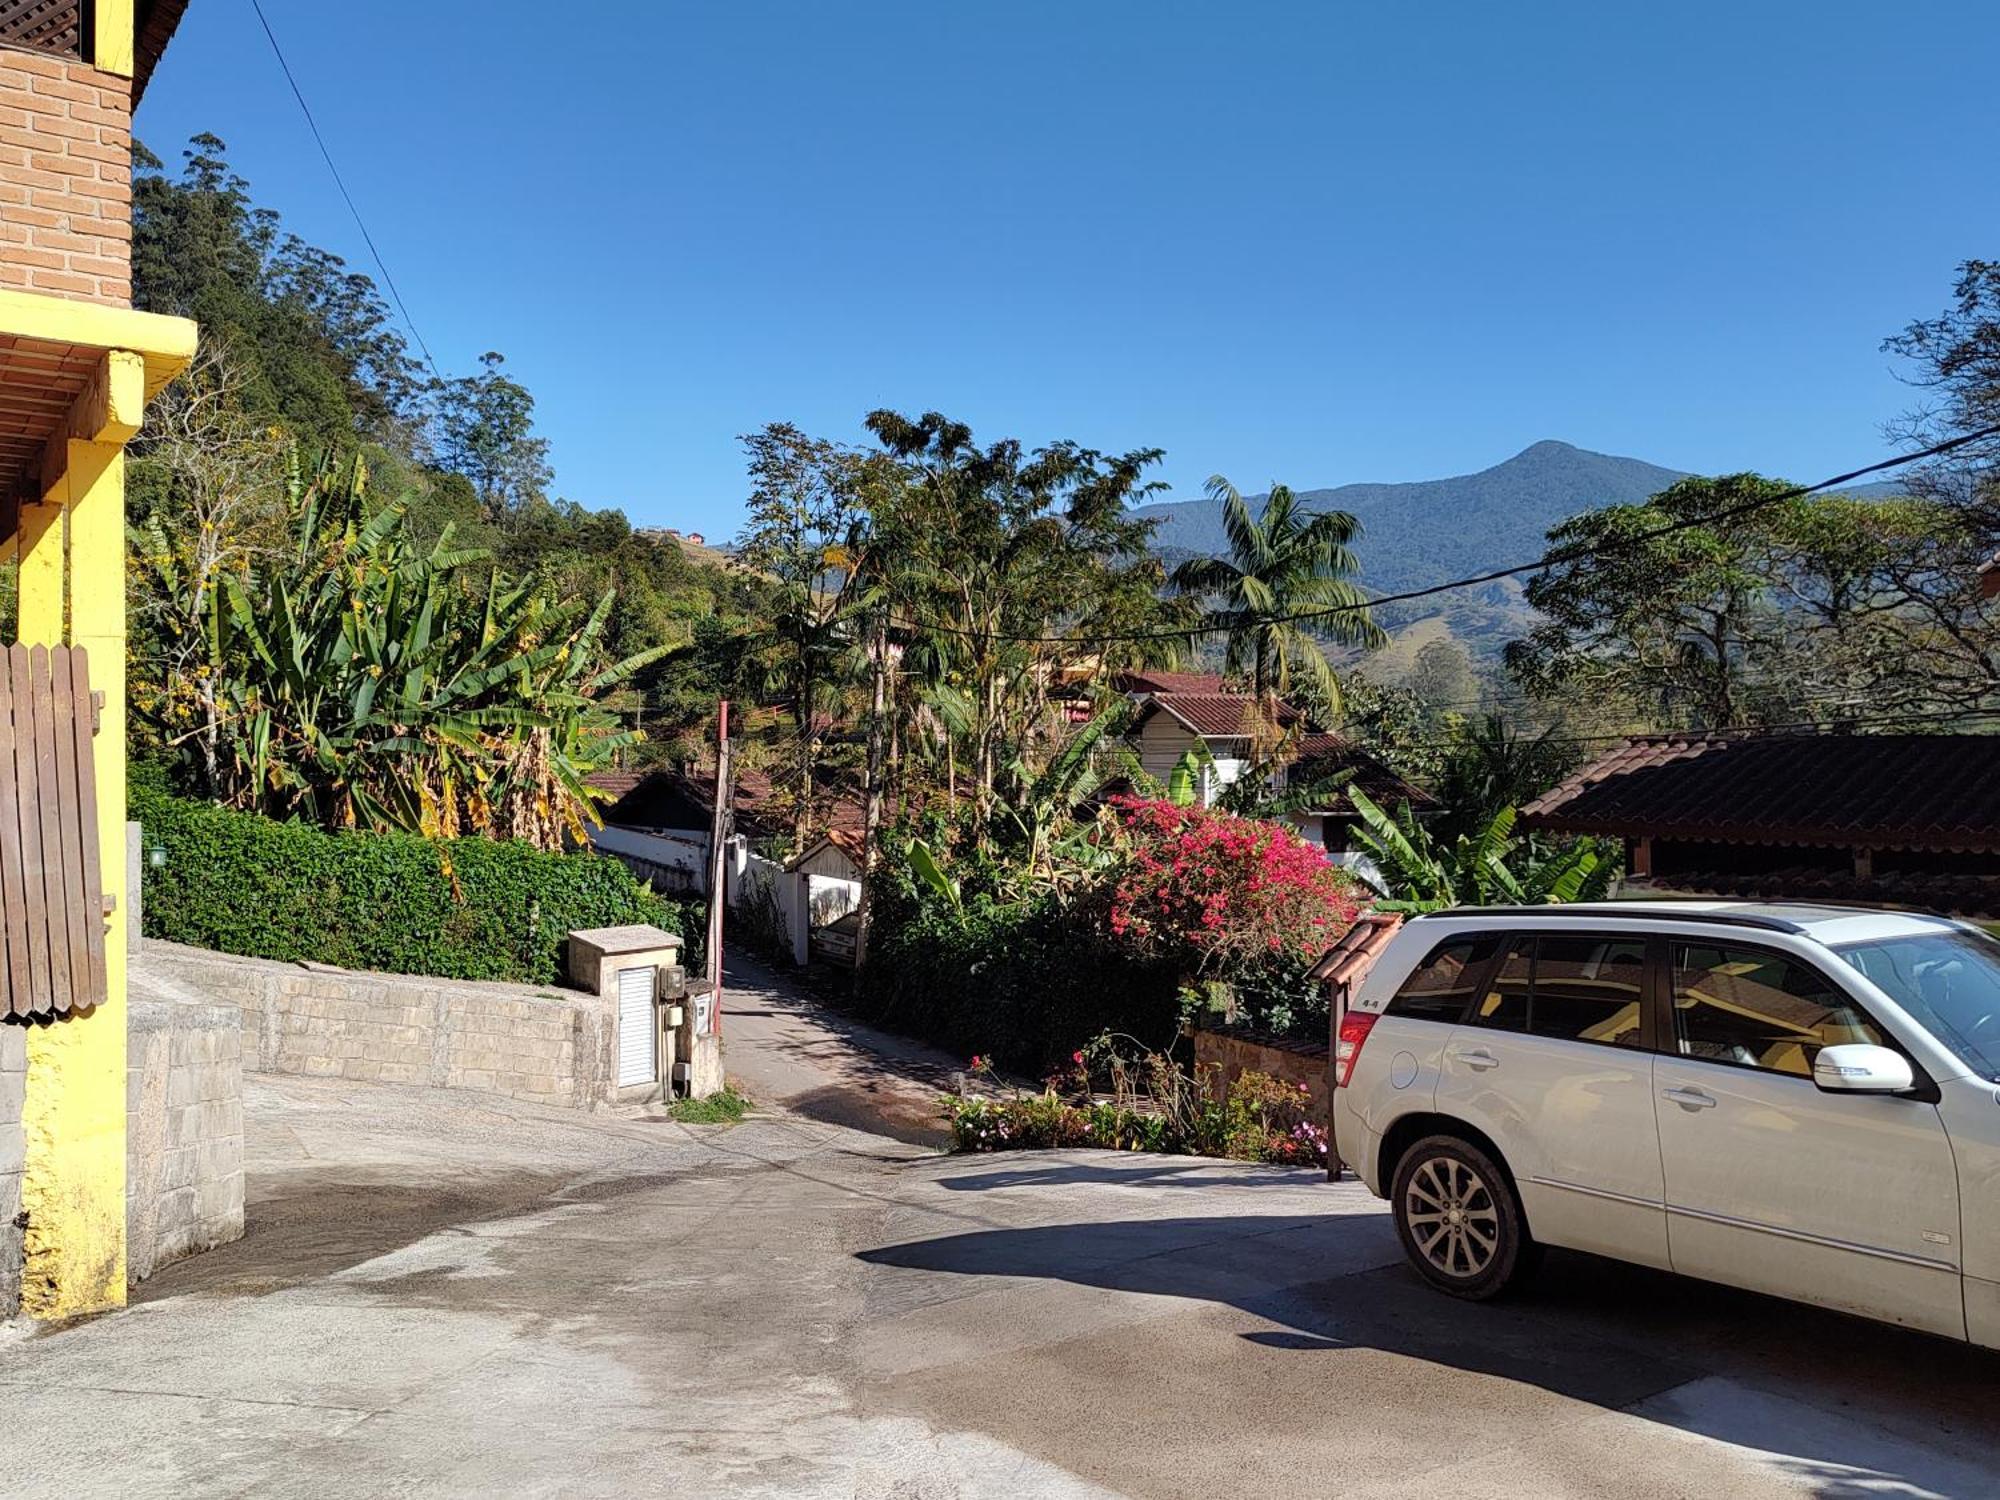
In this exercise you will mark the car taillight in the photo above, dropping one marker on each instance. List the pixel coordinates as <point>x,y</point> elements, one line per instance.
<point>1354,1029</point>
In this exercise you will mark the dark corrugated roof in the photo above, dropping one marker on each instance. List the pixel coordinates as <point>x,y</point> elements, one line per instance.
<point>1888,791</point>
<point>1324,754</point>
<point>675,799</point>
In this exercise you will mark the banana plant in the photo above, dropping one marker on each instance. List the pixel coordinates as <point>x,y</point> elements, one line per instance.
<point>1416,872</point>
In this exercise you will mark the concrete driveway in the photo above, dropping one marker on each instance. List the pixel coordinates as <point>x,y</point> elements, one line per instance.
<point>448,1296</point>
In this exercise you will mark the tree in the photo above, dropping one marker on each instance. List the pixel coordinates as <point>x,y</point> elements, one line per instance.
<point>1494,766</point>
<point>806,528</point>
<point>1956,357</point>
<point>1443,677</point>
<point>1283,563</point>
<point>1007,566</point>
<point>484,428</point>
<point>1720,603</point>
<point>312,340</point>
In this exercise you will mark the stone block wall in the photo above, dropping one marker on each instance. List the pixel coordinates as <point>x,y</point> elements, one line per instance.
<point>184,1131</point>
<point>546,1046</point>
<point>13,1090</point>
<point>1238,1052</point>
<point>65,178</point>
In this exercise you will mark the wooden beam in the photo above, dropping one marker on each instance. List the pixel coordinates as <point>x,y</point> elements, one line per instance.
<point>167,344</point>
<point>108,411</point>
<point>111,34</point>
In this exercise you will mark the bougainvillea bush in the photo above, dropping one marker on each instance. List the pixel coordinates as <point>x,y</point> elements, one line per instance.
<point>1176,900</point>
<point>1215,891</point>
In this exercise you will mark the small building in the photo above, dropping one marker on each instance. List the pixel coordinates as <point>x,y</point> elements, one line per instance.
<point>1900,819</point>
<point>1172,722</point>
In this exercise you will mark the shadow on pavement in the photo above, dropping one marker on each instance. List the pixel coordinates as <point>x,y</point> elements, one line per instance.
<point>1840,1406</point>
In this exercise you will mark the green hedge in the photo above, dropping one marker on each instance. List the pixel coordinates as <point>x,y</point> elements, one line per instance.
<point>1026,985</point>
<point>240,883</point>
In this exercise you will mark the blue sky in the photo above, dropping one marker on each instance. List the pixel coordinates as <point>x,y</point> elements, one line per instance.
<point>1307,242</point>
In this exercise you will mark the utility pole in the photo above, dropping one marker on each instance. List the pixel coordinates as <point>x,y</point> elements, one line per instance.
<point>871,821</point>
<point>720,826</point>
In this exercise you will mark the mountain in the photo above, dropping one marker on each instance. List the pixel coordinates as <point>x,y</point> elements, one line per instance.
<point>1434,529</point>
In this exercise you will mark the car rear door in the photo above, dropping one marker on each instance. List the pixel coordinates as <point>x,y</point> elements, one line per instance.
<point>1553,1063</point>
<point>1847,1200</point>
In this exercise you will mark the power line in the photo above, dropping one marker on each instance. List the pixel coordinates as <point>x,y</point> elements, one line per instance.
<point>326,155</point>
<point>1495,575</point>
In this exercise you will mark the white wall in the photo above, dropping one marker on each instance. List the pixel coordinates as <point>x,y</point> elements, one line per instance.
<point>677,863</point>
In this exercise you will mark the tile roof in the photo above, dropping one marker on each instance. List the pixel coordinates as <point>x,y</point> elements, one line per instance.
<point>1888,791</point>
<point>1216,715</point>
<point>1170,682</point>
<point>1323,754</point>
<point>675,799</point>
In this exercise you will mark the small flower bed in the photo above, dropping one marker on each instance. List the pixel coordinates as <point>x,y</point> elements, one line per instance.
<point>1153,1106</point>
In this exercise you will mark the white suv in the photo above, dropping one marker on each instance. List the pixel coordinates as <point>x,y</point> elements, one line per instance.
<point>1800,1100</point>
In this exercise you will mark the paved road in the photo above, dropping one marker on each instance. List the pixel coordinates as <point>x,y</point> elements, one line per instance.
<point>790,1053</point>
<point>446,1296</point>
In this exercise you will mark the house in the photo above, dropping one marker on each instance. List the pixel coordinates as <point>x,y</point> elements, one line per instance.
<point>658,821</point>
<point>1901,819</point>
<point>1177,711</point>
<point>77,367</point>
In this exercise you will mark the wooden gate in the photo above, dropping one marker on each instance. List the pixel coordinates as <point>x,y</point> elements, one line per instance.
<point>51,887</point>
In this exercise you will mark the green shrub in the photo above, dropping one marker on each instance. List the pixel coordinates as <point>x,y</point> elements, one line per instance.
<point>458,908</point>
<point>1026,984</point>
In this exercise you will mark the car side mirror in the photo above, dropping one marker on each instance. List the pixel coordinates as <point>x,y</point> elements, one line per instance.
<point>1861,1068</point>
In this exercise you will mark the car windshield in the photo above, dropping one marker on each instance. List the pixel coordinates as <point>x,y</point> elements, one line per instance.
<point>1949,982</point>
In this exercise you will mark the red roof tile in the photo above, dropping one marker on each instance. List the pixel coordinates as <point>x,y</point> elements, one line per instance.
<point>1216,715</point>
<point>1170,682</point>
<point>1889,791</point>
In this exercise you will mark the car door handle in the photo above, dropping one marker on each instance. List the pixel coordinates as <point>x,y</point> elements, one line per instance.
<point>1478,1059</point>
<point>1689,1099</point>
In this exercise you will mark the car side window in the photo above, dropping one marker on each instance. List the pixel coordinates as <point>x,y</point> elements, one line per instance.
<point>1760,1009</point>
<point>1573,987</point>
<point>1588,989</point>
<point>1440,988</point>
<point>1504,1005</point>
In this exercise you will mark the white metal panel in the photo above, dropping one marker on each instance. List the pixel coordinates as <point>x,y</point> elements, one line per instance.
<point>638,1034</point>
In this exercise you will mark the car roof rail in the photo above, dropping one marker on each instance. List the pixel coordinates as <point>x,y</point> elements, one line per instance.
<point>1725,918</point>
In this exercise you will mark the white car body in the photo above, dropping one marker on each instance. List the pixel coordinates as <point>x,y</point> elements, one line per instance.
<point>1717,1166</point>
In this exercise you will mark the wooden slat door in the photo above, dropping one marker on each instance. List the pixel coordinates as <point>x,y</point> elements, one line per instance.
<point>51,884</point>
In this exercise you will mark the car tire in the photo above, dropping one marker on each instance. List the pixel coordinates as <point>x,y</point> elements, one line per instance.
<point>1459,1220</point>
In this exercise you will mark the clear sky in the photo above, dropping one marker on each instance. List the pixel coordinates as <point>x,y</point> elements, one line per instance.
<point>1311,242</point>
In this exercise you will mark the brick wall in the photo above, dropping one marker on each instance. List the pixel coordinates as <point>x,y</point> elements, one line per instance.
<point>550,1047</point>
<point>65,178</point>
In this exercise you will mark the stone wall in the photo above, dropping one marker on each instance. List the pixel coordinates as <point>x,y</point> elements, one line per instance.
<point>13,1091</point>
<point>184,1130</point>
<point>547,1046</point>
<point>1238,1052</point>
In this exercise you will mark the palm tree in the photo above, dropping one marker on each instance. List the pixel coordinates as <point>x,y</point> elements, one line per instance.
<point>1286,564</point>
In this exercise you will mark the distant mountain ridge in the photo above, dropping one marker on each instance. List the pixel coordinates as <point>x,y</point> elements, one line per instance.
<point>1430,530</point>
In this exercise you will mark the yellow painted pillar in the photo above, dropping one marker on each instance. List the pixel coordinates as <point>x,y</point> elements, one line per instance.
<point>41,576</point>
<point>73,1182</point>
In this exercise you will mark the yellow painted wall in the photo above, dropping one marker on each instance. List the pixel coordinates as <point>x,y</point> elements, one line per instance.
<point>73,1119</point>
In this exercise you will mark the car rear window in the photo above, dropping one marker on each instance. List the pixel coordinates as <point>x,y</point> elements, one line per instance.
<point>1441,987</point>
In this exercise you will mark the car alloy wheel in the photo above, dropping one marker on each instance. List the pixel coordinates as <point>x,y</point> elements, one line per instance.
<point>1453,1216</point>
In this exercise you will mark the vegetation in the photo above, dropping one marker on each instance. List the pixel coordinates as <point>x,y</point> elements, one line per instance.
<point>1151,1104</point>
<point>358,606</point>
<point>469,908</point>
<point>1489,867</point>
<point>724,1108</point>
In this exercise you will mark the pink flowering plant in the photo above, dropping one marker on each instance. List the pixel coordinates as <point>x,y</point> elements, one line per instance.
<point>1216,891</point>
